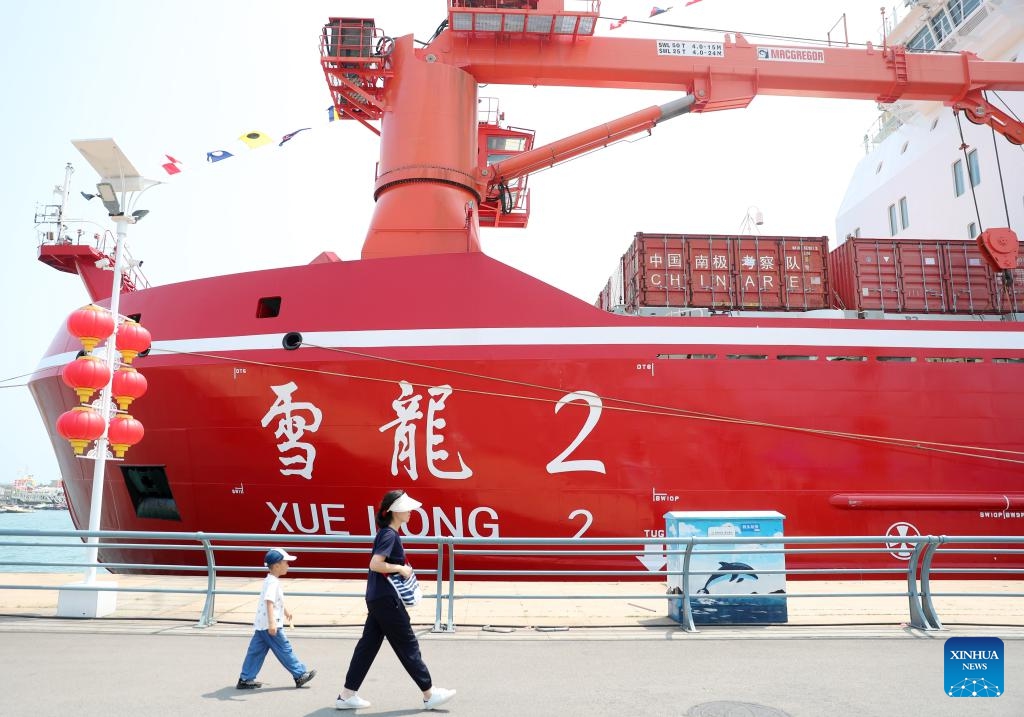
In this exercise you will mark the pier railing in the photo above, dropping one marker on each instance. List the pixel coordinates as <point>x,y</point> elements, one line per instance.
<point>669,560</point>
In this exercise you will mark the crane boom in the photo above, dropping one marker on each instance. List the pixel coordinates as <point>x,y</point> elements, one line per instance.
<point>735,71</point>
<point>426,98</point>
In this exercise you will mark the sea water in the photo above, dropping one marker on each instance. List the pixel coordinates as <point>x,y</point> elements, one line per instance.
<point>52,550</point>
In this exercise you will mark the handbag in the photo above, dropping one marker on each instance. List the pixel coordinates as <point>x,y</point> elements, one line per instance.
<point>408,589</point>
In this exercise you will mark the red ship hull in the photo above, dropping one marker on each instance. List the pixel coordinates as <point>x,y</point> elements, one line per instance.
<point>526,412</point>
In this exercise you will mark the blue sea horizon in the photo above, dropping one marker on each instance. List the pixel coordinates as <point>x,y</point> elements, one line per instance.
<point>55,550</point>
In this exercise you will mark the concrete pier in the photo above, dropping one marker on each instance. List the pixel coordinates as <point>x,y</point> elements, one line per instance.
<point>536,657</point>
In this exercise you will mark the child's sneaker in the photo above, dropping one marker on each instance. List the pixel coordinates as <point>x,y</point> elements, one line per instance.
<point>355,702</point>
<point>438,696</point>
<point>247,684</point>
<point>304,678</point>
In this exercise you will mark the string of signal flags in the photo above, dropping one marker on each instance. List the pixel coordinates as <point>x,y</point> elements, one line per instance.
<point>253,140</point>
<point>655,11</point>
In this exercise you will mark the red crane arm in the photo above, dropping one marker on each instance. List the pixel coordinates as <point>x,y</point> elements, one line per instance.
<point>583,142</point>
<point>429,187</point>
<point>737,70</point>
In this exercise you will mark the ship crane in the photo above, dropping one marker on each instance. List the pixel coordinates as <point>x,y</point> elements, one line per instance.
<point>426,100</point>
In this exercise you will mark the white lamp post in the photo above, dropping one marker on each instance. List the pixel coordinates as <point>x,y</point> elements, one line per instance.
<point>117,175</point>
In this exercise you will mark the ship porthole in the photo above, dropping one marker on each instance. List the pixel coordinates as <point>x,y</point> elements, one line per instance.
<point>292,340</point>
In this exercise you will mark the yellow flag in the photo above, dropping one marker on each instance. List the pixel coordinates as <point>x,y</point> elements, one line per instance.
<point>255,139</point>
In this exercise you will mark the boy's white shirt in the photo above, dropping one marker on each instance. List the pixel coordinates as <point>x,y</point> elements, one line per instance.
<point>273,592</point>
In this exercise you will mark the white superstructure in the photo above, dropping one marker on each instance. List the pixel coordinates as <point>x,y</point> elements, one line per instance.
<point>916,181</point>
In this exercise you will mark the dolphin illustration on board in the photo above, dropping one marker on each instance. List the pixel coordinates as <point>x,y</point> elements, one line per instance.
<point>727,570</point>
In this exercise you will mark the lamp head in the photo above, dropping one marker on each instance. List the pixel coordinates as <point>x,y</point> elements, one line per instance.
<point>139,214</point>
<point>109,197</point>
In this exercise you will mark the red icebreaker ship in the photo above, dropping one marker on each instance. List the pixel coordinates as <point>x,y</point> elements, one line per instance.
<point>289,400</point>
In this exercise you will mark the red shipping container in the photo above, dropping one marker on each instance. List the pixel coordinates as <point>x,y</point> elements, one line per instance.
<point>725,272</point>
<point>928,276</point>
<point>972,287</point>
<point>864,275</point>
<point>1009,297</point>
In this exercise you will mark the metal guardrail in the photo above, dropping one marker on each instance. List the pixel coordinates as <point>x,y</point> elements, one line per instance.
<point>918,573</point>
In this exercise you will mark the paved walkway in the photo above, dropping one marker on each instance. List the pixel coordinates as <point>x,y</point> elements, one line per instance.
<point>523,656</point>
<point>100,668</point>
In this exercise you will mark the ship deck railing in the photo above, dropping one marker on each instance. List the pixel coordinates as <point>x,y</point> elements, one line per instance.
<point>924,557</point>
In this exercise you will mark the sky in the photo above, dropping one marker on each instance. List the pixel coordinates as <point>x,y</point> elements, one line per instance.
<point>189,77</point>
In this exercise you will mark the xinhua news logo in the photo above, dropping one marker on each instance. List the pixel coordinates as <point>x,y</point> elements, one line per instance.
<point>974,667</point>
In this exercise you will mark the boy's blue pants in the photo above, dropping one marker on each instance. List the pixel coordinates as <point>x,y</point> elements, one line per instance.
<point>262,642</point>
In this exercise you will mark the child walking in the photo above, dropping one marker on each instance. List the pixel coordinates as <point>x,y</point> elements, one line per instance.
<point>269,625</point>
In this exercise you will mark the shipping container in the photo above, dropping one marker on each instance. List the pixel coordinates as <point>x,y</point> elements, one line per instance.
<point>714,271</point>
<point>921,276</point>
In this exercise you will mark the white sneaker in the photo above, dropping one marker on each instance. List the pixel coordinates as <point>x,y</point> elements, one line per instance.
<point>355,702</point>
<point>438,696</point>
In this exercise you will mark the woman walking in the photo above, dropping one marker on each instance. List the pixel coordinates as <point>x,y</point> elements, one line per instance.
<point>387,616</point>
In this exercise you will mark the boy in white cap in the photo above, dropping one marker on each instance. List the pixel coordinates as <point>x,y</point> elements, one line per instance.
<point>269,624</point>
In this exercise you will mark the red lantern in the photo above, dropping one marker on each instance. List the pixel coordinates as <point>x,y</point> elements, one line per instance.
<point>128,385</point>
<point>79,426</point>
<point>91,324</point>
<point>123,433</point>
<point>86,374</point>
<point>132,339</point>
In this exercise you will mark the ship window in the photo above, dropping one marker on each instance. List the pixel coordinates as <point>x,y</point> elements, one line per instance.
<point>747,357</point>
<point>972,230</point>
<point>953,359</point>
<point>268,307</point>
<point>973,167</point>
<point>508,144</point>
<point>795,357</point>
<point>904,213</point>
<point>892,220</point>
<point>150,492</point>
<point>958,177</point>
<point>903,149</point>
<point>940,23</point>
<point>878,168</point>
<point>686,356</point>
<point>896,359</point>
<point>960,10</point>
<point>1008,360</point>
<point>922,40</point>
<point>846,358</point>
<point>935,123</point>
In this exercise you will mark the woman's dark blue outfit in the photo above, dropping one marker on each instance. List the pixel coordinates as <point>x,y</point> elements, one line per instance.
<point>387,618</point>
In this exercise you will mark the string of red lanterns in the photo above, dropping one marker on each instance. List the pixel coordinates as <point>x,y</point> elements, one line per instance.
<point>87,374</point>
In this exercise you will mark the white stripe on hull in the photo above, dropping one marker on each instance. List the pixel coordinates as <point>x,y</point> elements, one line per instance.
<point>667,336</point>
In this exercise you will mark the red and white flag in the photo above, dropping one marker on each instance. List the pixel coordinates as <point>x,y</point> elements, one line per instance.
<point>172,165</point>
<point>618,23</point>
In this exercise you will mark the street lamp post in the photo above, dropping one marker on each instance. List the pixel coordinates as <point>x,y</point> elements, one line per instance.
<point>106,402</point>
<point>117,176</point>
